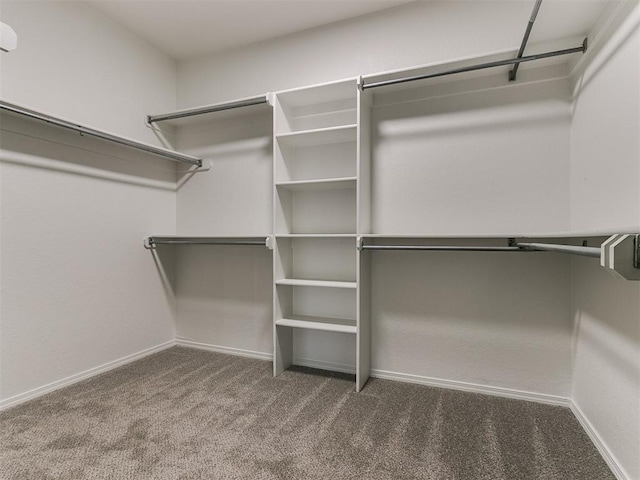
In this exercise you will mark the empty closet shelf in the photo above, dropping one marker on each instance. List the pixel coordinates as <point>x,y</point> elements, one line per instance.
<point>319,323</point>
<point>321,184</point>
<point>296,282</point>
<point>316,235</point>
<point>217,111</point>
<point>101,134</point>
<point>319,136</point>
<point>152,242</point>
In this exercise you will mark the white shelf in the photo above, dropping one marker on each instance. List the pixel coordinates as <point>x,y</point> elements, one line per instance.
<point>316,235</point>
<point>319,136</point>
<point>319,184</point>
<point>218,111</point>
<point>298,282</point>
<point>318,323</point>
<point>471,235</point>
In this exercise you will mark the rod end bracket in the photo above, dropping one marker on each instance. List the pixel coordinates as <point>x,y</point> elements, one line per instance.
<point>148,243</point>
<point>621,256</point>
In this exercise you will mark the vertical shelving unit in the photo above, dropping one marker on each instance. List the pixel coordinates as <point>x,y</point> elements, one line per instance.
<point>320,166</point>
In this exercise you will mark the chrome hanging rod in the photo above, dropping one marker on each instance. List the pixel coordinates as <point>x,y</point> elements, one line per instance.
<point>551,247</point>
<point>525,39</point>
<point>441,248</point>
<point>247,102</point>
<point>470,68</point>
<point>512,247</point>
<point>152,242</point>
<point>82,130</point>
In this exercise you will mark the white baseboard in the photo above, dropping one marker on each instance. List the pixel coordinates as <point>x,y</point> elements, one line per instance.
<point>600,444</point>
<point>333,367</point>
<point>220,349</point>
<point>78,377</point>
<point>473,387</point>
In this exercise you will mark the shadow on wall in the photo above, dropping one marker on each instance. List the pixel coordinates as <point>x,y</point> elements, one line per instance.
<point>48,147</point>
<point>164,260</point>
<point>606,310</point>
<point>231,140</point>
<point>512,289</point>
<point>473,112</point>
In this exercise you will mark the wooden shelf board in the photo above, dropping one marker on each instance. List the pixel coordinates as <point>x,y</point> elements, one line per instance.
<point>315,235</point>
<point>319,184</point>
<point>299,282</point>
<point>318,323</point>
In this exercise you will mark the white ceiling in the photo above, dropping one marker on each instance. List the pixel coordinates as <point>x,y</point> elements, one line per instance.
<point>190,28</point>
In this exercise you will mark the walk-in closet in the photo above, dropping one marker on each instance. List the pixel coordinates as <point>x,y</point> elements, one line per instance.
<point>320,239</point>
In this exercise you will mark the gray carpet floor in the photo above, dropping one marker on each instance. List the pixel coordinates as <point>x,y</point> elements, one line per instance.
<point>190,414</point>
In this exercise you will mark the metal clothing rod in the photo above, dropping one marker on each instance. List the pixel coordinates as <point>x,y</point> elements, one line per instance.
<point>525,39</point>
<point>208,109</point>
<point>151,242</point>
<point>551,247</point>
<point>441,248</point>
<point>470,68</point>
<point>513,247</point>
<point>82,130</point>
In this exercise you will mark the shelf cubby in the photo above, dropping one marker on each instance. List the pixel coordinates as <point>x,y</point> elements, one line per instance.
<point>313,301</point>
<point>315,211</point>
<point>327,259</point>
<point>315,162</point>
<point>316,107</point>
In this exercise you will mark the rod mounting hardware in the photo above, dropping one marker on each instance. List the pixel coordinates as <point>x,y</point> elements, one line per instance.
<point>525,39</point>
<point>621,256</point>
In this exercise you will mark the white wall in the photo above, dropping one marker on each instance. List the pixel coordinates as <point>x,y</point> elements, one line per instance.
<point>413,34</point>
<point>223,293</point>
<point>605,146</point>
<point>605,193</point>
<point>492,319</point>
<point>426,179</point>
<point>74,62</point>
<point>606,378</point>
<point>484,162</point>
<point>78,289</point>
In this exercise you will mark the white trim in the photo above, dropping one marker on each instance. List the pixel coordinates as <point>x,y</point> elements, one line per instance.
<point>78,377</point>
<point>322,365</point>
<point>473,387</point>
<point>600,444</point>
<point>220,349</point>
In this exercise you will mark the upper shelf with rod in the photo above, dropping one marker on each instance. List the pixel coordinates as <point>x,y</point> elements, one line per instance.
<point>466,66</point>
<point>150,243</point>
<point>217,111</point>
<point>620,253</point>
<point>101,134</point>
